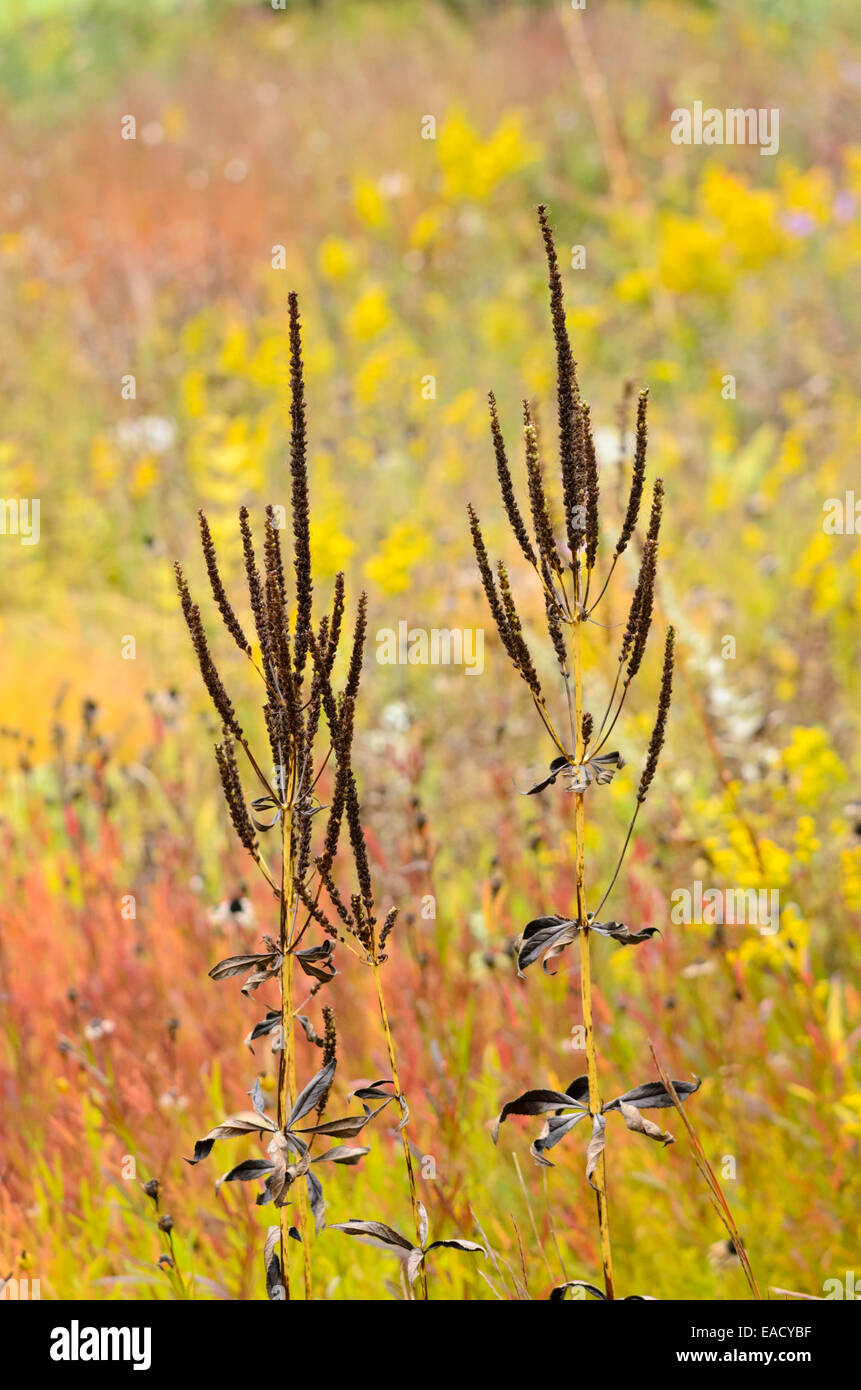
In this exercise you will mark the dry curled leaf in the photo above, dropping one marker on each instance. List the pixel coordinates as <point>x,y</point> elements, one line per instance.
<point>640,1125</point>
<point>413,1256</point>
<point>537,1102</point>
<point>596,1147</point>
<point>547,937</point>
<point>246,1122</point>
<point>578,776</point>
<point>653,1095</point>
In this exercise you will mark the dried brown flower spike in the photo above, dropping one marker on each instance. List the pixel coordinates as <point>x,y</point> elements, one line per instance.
<point>305,722</point>
<point>578,758</point>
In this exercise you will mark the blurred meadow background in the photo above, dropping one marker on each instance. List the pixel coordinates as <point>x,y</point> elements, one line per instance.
<point>416,259</point>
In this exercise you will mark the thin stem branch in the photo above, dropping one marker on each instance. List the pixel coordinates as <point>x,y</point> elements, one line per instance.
<point>620,860</point>
<point>287,1065</point>
<point>408,1158</point>
<point>600,1177</point>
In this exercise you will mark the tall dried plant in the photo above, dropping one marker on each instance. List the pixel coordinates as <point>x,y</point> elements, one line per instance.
<point>564,560</point>
<point>294,659</point>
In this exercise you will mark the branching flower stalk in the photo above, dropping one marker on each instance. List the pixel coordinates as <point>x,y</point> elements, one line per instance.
<point>294,659</point>
<point>565,567</point>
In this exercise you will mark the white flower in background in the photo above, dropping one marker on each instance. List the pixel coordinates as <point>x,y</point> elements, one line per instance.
<point>99,1028</point>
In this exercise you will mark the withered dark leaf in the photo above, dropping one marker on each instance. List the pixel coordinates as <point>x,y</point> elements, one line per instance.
<point>405,1114</point>
<point>555,768</point>
<point>640,1125</point>
<point>547,937</point>
<point>596,1146</point>
<point>318,1086</point>
<point>308,1028</point>
<point>342,1153</point>
<point>653,1095</point>
<point>377,1234</point>
<point>373,1091</point>
<point>600,769</point>
<point>240,965</point>
<point>618,931</point>
<point>535,1102</point>
<point>555,1129</point>
<point>316,1199</point>
<point>346,1128</point>
<point>262,804</point>
<point>469,1245</point>
<point>316,961</point>
<point>247,1171</point>
<point>202,1150</point>
<point>266,1025</point>
<point>272,1264</point>
<point>557,1295</point>
<point>256,1094</point>
<point>424,1225</point>
<point>579,1089</point>
<point>245,1122</point>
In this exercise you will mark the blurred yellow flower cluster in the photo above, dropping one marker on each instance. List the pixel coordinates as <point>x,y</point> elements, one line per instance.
<point>471,167</point>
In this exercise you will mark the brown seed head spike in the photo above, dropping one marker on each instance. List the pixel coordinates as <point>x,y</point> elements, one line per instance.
<point>487,576</point>
<point>557,636</point>
<point>656,742</point>
<point>255,596</point>
<point>330,1052</point>
<point>234,796</point>
<point>299,475</point>
<point>592,490</point>
<point>517,648</point>
<point>512,511</point>
<point>337,620</point>
<point>340,721</point>
<point>351,689</point>
<point>645,604</point>
<point>638,475</point>
<point>657,510</point>
<point>272,552</point>
<point>541,521</point>
<point>391,918</point>
<point>359,847</point>
<point>567,395</point>
<point>211,678</point>
<point>219,593</point>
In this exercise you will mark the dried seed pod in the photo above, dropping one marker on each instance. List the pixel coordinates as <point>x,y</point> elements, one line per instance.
<point>656,742</point>
<point>512,511</point>
<point>638,476</point>
<point>219,593</point>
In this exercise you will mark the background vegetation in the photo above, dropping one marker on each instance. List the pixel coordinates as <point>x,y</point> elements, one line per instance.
<point>418,258</point>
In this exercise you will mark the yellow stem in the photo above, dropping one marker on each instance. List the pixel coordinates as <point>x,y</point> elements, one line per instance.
<point>408,1158</point>
<point>599,1177</point>
<point>287,1070</point>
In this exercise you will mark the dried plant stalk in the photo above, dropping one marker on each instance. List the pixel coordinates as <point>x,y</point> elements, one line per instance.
<point>309,886</point>
<point>580,760</point>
